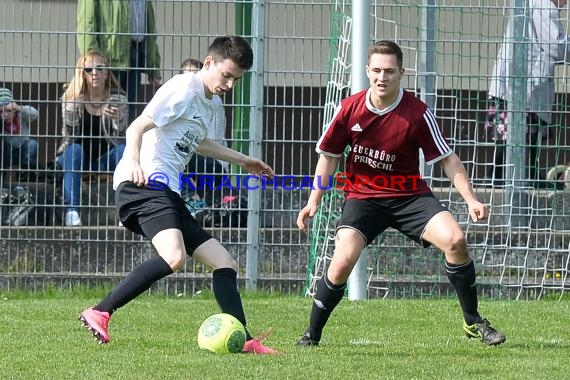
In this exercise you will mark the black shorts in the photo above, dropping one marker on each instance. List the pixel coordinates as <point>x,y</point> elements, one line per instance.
<point>372,216</point>
<point>146,211</point>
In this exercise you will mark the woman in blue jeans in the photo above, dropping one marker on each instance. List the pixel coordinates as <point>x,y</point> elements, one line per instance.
<point>95,117</point>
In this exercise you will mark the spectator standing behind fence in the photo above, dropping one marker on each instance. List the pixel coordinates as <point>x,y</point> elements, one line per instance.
<point>547,48</point>
<point>206,165</point>
<point>94,122</point>
<point>18,148</point>
<point>125,33</point>
<point>385,127</point>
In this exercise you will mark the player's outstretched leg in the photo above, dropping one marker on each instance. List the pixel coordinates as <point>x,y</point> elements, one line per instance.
<point>224,284</point>
<point>96,319</point>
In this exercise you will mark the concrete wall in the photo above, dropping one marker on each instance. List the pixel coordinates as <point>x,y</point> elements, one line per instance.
<point>37,37</point>
<point>38,42</point>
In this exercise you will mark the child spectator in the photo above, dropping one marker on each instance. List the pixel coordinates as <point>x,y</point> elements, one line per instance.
<point>18,148</point>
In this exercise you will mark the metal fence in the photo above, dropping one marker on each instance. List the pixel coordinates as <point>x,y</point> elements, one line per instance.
<point>277,114</point>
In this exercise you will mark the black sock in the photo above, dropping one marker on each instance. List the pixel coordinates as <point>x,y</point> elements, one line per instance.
<point>462,277</point>
<point>224,284</point>
<point>139,280</point>
<point>326,299</point>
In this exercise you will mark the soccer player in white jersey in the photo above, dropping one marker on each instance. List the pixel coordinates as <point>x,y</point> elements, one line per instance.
<point>160,142</point>
<point>385,126</point>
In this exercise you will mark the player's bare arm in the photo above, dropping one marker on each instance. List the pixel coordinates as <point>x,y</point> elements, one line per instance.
<point>134,135</point>
<point>455,171</point>
<point>326,167</point>
<point>211,148</point>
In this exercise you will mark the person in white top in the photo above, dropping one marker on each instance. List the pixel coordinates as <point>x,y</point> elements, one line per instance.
<point>160,143</point>
<point>218,130</point>
<point>206,172</point>
<point>548,47</point>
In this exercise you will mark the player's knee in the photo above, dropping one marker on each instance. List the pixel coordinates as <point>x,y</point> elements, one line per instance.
<point>225,262</point>
<point>232,264</point>
<point>337,277</point>
<point>222,260</point>
<point>340,269</point>
<point>344,268</point>
<point>454,243</point>
<point>457,242</point>
<point>175,260</point>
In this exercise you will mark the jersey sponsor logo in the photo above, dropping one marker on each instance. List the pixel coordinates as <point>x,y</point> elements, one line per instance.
<point>375,158</point>
<point>356,128</point>
<point>181,148</point>
<point>187,144</point>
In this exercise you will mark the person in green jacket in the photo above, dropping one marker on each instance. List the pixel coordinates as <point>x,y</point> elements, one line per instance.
<point>125,33</point>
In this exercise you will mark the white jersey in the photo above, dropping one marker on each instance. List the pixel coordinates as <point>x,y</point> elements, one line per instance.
<point>182,115</point>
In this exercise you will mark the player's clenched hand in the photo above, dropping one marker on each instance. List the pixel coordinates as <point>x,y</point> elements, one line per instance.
<point>257,167</point>
<point>307,212</point>
<point>137,174</point>
<point>478,211</point>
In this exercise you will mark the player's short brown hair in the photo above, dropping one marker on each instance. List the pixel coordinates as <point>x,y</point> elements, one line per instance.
<point>389,48</point>
<point>235,48</point>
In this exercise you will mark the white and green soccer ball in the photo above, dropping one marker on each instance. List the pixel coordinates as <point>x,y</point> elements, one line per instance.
<point>221,333</point>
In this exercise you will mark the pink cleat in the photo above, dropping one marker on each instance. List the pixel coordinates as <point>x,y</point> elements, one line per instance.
<point>254,346</point>
<point>97,322</point>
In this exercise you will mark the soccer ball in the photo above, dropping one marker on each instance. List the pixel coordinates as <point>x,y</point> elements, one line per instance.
<point>221,333</point>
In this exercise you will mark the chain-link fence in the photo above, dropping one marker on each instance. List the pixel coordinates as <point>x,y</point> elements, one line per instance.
<point>276,113</point>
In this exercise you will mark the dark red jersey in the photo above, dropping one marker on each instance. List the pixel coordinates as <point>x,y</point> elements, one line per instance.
<point>383,161</point>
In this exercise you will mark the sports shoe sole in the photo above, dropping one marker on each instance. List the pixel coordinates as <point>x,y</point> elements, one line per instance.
<point>96,334</point>
<point>470,335</point>
<point>495,343</point>
<point>305,341</point>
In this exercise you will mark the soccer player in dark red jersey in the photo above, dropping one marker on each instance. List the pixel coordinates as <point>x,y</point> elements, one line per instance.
<point>385,126</point>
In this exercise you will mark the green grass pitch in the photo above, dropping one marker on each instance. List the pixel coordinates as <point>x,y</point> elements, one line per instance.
<point>155,338</point>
